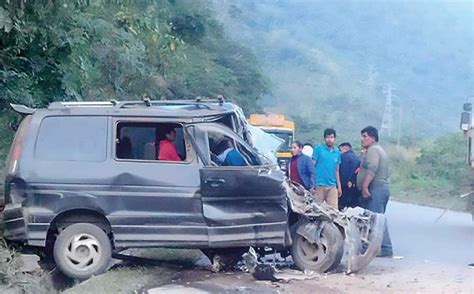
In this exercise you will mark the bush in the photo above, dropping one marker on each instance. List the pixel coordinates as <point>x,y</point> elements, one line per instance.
<point>445,159</point>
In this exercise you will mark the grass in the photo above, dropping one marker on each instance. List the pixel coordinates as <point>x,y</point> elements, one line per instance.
<point>131,278</point>
<point>428,183</point>
<point>12,280</point>
<point>447,198</point>
<point>123,280</point>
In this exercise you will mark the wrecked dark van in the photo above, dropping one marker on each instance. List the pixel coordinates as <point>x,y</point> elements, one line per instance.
<point>84,180</point>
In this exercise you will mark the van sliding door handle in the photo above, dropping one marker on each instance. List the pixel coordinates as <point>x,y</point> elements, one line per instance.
<point>215,182</point>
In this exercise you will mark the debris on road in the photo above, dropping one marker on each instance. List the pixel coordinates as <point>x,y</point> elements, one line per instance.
<point>268,272</point>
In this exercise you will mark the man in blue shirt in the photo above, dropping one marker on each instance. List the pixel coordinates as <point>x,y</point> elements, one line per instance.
<point>327,160</point>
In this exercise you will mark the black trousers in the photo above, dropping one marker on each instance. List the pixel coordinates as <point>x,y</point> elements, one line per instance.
<point>349,198</point>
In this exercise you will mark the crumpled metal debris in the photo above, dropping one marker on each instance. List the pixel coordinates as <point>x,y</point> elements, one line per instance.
<point>268,271</point>
<point>363,229</point>
<point>259,270</point>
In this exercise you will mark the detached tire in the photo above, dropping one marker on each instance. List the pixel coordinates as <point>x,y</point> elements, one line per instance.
<point>82,250</point>
<point>322,256</point>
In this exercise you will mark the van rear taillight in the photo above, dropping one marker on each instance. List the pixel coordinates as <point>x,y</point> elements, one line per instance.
<point>15,150</point>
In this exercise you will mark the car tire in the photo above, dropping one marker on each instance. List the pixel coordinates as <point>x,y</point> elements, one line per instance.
<point>322,256</point>
<point>82,250</point>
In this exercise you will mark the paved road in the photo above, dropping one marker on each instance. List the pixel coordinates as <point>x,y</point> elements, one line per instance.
<point>435,260</point>
<point>417,237</point>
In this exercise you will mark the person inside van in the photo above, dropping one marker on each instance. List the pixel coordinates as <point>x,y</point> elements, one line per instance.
<point>167,148</point>
<point>124,148</point>
<point>228,155</point>
<point>213,148</point>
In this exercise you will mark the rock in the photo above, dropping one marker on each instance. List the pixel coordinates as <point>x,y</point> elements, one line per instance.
<point>29,263</point>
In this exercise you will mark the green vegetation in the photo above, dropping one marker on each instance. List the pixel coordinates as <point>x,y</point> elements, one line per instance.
<point>331,61</point>
<point>12,280</point>
<point>125,50</point>
<point>130,278</point>
<point>124,280</point>
<point>80,50</point>
<point>434,174</point>
<point>331,64</point>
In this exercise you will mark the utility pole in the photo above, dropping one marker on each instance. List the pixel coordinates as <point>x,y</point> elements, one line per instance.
<point>413,128</point>
<point>387,114</point>
<point>399,124</point>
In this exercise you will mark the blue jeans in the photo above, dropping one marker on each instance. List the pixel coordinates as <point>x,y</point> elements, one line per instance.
<point>377,202</point>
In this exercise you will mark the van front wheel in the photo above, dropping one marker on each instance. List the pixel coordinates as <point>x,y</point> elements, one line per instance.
<point>323,255</point>
<point>82,250</point>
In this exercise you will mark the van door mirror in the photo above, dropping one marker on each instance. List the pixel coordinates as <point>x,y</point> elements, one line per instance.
<point>465,120</point>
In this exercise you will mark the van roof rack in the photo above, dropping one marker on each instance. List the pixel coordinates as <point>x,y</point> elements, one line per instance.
<point>198,102</point>
<point>83,104</point>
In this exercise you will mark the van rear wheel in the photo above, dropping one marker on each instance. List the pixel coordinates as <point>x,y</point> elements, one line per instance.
<point>82,250</point>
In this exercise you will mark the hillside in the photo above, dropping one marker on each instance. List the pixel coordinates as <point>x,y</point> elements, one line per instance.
<point>125,50</point>
<point>331,63</point>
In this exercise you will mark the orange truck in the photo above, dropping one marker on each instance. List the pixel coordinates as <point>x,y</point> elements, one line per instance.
<point>278,125</point>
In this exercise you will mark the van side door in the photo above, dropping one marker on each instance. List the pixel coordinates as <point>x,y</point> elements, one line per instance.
<point>242,205</point>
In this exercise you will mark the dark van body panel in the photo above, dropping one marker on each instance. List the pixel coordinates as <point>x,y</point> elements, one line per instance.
<point>146,203</point>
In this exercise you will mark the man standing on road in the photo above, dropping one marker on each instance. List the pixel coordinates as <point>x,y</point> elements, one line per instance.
<point>372,181</point>
<point>327,159</point>
<point>348,171</point>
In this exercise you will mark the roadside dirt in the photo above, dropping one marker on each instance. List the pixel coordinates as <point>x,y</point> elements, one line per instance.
<point>382,275</point>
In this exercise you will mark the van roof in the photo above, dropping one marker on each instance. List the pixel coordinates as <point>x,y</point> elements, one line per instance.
<point>155,108</point>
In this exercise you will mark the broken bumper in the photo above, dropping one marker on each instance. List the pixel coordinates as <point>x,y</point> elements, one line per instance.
<point>14,223</point>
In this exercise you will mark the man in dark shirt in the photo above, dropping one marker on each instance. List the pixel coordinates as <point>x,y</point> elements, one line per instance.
<point>350,163</point>
<point>373,181</point>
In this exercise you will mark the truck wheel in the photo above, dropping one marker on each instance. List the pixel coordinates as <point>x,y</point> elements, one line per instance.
<point>324,255</point>
<point>82,250</point>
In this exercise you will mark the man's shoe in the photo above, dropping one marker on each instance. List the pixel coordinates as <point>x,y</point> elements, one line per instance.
<point>385,254</point>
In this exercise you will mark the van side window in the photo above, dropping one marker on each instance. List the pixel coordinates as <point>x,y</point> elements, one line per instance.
<point>68,138</point>
<point>150,141</point>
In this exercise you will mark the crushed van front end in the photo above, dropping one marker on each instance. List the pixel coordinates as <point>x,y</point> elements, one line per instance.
<point>361,230</point>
